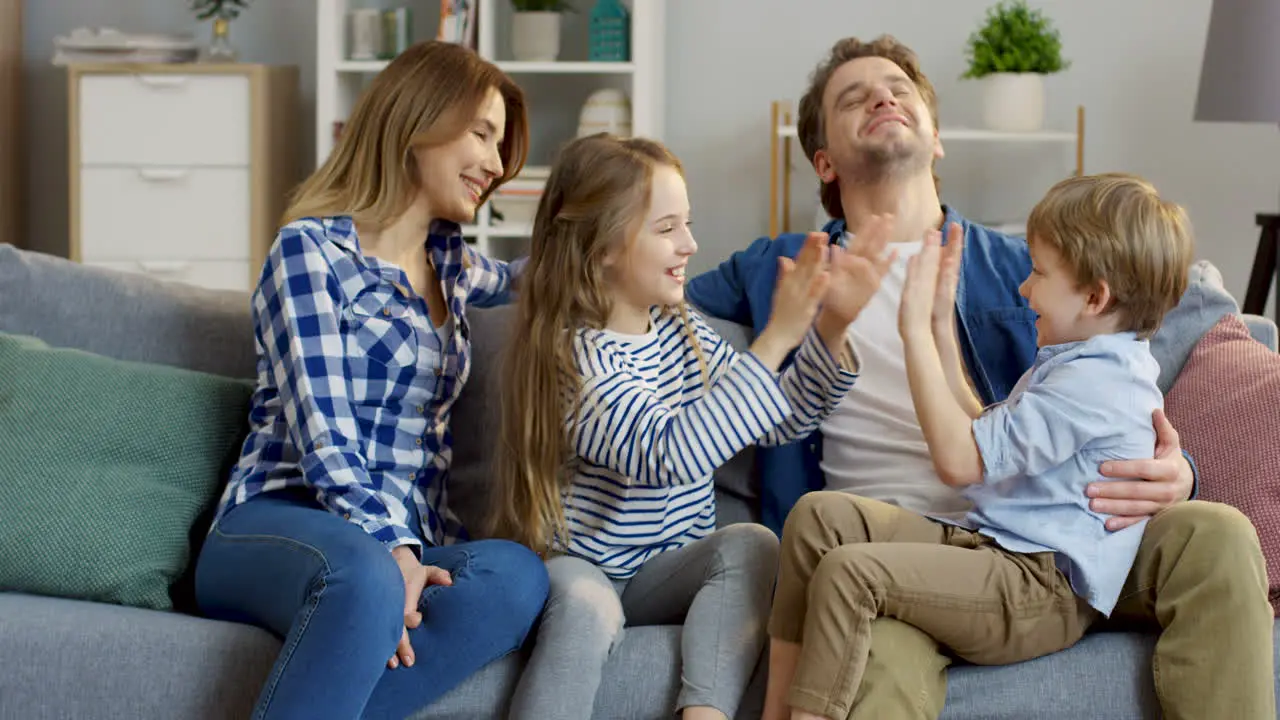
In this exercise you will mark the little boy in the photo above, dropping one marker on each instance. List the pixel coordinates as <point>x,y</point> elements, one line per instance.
<point>1031,566</point>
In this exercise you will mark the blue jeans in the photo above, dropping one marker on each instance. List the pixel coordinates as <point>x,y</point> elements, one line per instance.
<point>336,597</point>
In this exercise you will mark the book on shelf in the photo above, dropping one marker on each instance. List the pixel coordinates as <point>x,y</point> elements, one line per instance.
<point>458,22</point>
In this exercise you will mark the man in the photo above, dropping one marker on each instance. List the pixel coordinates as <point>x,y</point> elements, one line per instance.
<point>868,125</point>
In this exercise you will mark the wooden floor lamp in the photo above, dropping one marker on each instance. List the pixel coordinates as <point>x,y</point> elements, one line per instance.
<point>1240,82</point>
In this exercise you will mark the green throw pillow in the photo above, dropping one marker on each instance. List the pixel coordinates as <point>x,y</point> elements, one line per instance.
<point>104,467</point>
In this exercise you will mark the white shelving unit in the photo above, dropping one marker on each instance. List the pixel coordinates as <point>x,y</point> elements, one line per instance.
<point>339,81</point>
<point>784,132</point>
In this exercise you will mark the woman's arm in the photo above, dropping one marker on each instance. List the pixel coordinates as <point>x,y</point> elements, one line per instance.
<point>492,282</point>
<point>298,319</point>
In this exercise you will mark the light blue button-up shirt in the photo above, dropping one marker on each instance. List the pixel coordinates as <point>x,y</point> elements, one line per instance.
<point>1081,403</point>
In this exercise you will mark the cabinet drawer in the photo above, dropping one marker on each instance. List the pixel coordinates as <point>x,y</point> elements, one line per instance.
<point>173,213</point>
<point>214,274</point>
<point>164,119</point>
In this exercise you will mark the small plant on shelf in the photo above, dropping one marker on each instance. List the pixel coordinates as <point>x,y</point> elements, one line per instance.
<point>535,29</point>
<point>1015,39</point>
<point>224,9</point>
<point>1010,55</point>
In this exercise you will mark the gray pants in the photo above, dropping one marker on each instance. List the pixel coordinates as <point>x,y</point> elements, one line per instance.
<point>721,587</point>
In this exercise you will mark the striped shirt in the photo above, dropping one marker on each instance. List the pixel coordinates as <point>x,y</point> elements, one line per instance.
<point>647,433</point>
<point>355,385</point>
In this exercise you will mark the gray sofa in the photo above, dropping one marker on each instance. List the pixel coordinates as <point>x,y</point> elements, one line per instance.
<point>68,659</point>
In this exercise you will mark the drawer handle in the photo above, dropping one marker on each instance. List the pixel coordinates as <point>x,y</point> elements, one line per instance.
<point>163,267</point>
<point>162,174</point>
<point>162,81</point>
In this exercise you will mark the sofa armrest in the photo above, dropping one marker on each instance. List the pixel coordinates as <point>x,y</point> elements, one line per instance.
<point>1264,330</point>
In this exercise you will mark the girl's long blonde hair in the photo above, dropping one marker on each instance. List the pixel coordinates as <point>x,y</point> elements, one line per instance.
<point>595,201</point>
<point>425,97</point>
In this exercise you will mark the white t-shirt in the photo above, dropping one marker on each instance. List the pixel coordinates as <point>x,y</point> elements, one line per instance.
<point>872,443</point>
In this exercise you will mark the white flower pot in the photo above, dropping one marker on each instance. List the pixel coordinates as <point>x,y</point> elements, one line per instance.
<point>535,36</point>
<point>1013,102</point>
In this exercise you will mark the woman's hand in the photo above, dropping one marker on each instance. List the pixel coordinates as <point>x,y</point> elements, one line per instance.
<point>1162,481</point>
<point>416,579</point>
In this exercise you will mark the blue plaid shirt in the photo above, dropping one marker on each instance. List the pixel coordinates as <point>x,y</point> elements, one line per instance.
<point>355,385</point>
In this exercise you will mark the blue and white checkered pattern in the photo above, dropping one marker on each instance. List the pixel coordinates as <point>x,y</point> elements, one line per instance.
<point>355,385</point>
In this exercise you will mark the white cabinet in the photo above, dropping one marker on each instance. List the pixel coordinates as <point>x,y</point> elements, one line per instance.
<point>181,171</point>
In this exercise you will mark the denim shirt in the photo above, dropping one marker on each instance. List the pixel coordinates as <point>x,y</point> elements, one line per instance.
<point>995,326</point>
<point>1080,404</point>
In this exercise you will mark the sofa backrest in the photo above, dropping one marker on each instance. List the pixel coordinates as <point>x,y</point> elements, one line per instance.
<point>125,316</point>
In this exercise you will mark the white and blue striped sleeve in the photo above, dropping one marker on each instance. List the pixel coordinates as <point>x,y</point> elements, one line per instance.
<point>814,383</point>
<point>621,423</point>
<point>298,322</point>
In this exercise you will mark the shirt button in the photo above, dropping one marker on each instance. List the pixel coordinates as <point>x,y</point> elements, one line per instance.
<point>386,311</point>
<point>418,441</point>
<point>422,410</point>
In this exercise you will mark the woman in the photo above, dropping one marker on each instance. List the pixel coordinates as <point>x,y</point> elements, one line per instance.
<point>334,531</point>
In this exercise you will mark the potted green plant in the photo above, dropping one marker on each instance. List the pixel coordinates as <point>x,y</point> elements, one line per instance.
<point>1010,55</point>
<point>535,29</point>
<point>222,12</point>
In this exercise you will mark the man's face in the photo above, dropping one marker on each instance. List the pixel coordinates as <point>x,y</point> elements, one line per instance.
<point>876,123</point>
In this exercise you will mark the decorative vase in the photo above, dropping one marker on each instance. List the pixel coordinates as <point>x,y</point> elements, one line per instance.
<point>606,110</point>
<point>221,49</point>
<point>1013,102</point>
<point>535,36</point>
<point>610,32</point>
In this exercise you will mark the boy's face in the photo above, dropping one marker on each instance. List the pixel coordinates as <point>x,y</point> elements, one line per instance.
<point>1063,309</point>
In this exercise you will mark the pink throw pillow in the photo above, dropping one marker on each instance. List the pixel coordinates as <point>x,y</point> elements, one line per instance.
<point>1225,404</point>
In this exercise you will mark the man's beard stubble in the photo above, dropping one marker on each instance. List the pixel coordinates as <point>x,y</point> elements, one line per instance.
<point>875,165</point>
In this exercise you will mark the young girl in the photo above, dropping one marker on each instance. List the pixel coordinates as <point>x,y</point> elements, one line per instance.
<point>620,404</point>
<point>334,531</point>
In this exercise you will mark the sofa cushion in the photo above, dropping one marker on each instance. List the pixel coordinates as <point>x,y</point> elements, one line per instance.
<point>1226,406</point>
<point>1205,302</point>
<point>105,467</point>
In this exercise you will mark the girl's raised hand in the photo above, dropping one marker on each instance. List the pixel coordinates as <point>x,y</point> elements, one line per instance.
<point>799,289</point>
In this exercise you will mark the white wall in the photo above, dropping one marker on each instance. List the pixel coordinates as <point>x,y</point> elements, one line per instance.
<point>1135,68</point>
<point>727,59</point>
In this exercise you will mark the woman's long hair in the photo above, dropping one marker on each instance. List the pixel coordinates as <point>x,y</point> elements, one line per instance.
<point>595,201</point>
<point>425,97</point>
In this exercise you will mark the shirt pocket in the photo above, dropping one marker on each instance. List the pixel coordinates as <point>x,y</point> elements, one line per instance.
<point>382,329</point>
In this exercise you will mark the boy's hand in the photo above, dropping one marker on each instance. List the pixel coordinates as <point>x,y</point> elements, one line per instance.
<point>856,274</point>
<point>920,293</point>
<point>944,302</point>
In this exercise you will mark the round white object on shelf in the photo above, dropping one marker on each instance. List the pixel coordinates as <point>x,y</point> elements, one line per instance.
<point>607,110</point>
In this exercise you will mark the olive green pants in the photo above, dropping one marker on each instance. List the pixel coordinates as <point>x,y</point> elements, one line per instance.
<point>1199,579</point>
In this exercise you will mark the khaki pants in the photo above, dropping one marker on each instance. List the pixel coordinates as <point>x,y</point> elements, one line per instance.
<point>847,560</point>
<point>1199,579</point>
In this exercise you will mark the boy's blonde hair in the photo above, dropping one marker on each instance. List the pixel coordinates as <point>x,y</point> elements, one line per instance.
<point>593,204</point>
<point>1115,228</point>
